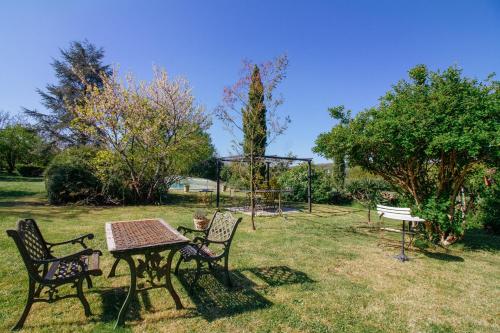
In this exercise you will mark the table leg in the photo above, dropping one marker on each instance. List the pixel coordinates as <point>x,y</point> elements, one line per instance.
<point>131,291</point>
<point>402,256</point>
<point>112,272</point>
<point>170,288</point>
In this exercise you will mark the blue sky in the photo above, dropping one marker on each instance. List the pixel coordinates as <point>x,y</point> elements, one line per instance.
<point>341,52</point>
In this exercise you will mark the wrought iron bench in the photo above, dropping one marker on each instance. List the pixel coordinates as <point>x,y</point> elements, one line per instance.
<point>45,271</point>
<point>220,232</point>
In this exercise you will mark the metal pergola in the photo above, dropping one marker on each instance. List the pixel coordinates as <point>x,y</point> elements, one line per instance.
<point>267,159</point>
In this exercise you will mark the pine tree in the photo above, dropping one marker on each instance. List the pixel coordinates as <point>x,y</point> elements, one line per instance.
<point>79,67</point>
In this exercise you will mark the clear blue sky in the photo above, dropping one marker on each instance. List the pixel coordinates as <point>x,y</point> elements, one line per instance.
<point>341,52</point>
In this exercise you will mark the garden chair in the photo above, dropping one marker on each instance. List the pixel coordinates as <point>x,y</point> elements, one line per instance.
<point>220,232</point>
<point>45,271</point>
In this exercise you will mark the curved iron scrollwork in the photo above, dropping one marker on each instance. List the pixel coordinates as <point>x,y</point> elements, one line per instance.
<point>152,269</point>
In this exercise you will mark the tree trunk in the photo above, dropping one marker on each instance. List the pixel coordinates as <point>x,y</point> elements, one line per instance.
<point>252,190</point>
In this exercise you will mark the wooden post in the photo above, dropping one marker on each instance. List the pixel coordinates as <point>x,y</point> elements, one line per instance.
<point>309,201</point>
<point>218,183</point>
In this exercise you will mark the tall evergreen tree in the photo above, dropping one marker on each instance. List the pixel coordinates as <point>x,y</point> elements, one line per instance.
<point>79,67</point>
<point>254,123</point>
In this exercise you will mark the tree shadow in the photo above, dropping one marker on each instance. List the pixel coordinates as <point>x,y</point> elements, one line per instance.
<point>13,178</point>
<point>443,256</point>
<point>16,193</point>
<point>479,239</point>
<point>280,275</point>
<point>214,300</point>
<point>112,300</point>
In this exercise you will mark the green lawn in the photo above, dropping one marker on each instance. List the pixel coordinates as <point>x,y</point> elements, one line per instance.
<point>320,272</point>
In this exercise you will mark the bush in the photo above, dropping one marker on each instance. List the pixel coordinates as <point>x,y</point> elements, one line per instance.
<point>30,170</point>
<point>70,177</point>
<point>488,204</point>
<point>295,179</point>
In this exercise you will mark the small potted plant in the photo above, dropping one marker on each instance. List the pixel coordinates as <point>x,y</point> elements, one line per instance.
<point>200,220</point>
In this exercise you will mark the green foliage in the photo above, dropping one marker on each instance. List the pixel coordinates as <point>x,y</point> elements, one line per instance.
<point>79,66</point>
<point>18,143</point>
<point>150,134</point>
<point>424,137</point>
<point>368,191</point>
<point>484,197</point>
<point>70,177</point>
<point>295,180</point>
<point>255,125</point>
<point>30,170</point>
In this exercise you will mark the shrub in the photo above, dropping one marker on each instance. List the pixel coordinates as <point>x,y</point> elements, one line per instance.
<point>70,177</point>
<point>30,170</point>
<point>295,179</point>
<point>484,187</point>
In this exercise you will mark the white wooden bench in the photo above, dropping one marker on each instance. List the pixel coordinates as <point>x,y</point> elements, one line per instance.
<point>400,214</point>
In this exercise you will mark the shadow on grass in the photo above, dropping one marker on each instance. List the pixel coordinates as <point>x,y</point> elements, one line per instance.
<point>12,178</point>
<point>214,300</point>
<point>479,239</point>
<point>112,300</point>
<point>280,275</point>
<point>443,256</point>
<point>16,193</point>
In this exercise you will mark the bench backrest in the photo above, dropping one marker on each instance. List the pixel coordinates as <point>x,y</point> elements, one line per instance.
<point>396,213</point>
<point>30,244</point>
<point>223,227</point>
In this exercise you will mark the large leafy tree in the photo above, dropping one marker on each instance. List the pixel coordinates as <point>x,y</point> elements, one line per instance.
<point>150,132</point>
<point>18,143</point>
<point>79,67</point>
<point>425,137</point>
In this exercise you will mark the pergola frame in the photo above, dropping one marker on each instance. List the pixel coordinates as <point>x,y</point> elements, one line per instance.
<point>267,159</point>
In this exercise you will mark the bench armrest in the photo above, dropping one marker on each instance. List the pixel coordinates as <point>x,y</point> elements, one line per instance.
<point>77,255</point>
<point>186,230</point>
<point>80,240</point>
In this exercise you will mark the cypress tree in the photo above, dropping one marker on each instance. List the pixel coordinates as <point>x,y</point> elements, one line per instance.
<point>254,123</point>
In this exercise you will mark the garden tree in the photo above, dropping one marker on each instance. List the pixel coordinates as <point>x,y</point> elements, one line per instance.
<point>206,168</point>
<point>368,192</point>
<point>295,179</point>
<point>4,119</point>
<point>152,132</point>
<point>250,106</point>
<point>339,164</point>
<point>254,123</point>
<point>79,68</point>
<point>425,137</point>
<point>18,143</point>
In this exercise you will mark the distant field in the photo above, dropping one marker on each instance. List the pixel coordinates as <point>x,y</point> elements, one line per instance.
<point>320,272</point>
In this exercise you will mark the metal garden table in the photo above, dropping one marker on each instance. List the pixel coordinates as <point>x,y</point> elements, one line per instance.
<point>148,238</point>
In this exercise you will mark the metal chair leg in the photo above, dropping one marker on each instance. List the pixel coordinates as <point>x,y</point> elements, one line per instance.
<point>226,271</point>
<point>198,272</point>
<point>27,307</point>
<point>89,282</point>
<point>81,296</point>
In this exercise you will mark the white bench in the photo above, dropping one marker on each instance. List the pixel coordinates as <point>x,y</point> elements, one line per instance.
<point>400,214</point>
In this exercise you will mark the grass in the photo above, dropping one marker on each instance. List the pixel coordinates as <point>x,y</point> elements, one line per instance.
<point>320,272</point>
